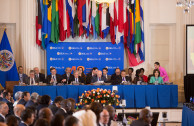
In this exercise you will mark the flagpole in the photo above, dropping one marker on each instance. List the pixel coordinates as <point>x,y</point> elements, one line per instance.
<point>5,28</point>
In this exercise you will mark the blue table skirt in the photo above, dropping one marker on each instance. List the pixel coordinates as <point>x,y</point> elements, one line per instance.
<point>137,96</point>
<point>187,117</point>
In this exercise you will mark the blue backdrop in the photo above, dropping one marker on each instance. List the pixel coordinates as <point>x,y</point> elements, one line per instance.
<point>86,54</point>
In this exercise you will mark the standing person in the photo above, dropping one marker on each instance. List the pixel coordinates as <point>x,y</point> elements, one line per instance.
<point>38,75</point>
<point>105,74</point>
<point>54,78</point>
<point>3,111</point>
<point>22,76</point>
<point>163,72</point>
<point>145,78</point>
<point>25,98</point>
<point>156,79</point>
<point>91,74</point>
<point>67,77</point>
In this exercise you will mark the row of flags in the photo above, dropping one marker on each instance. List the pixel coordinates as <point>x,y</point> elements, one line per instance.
<point>57,20</point>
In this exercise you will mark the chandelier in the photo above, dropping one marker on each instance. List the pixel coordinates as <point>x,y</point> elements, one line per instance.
<point>104,1</point>
<point>185,4</point>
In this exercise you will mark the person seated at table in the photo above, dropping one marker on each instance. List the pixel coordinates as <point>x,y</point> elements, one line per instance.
<point>38,75</point>
<point>91,74</point>
<point>98,78</point>
<point>116,77</point>
<point>31,80</point>
<point>145,118</point>
<point>25,98</point>
<point>156,79</point>
<point>81,72</point>
<point>105,74</point>
<point>145,78</point>
<point>163,72</point>
<point>67,77</point>
<point>76,78</point>
<point>54,78</point>
<point>138,78</point>
<point>124,78</point>
<point>22,76</point>
<point>130,73</point>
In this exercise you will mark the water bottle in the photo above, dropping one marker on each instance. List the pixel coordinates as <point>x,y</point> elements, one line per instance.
<point>191,99</point>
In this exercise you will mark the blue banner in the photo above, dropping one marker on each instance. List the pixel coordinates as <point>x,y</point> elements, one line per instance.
<point>86,54</point>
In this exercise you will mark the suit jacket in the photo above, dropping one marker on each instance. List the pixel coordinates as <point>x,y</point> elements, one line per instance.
<point>10,105</point>
<point>22,101</point>
<point>127,78</point>
<point>139,122</point>
<point>24,77</point>
<point>115,79</point>
<point>53,108</point>
<point>89,78</point>
<point>58,77</point>
<point>108,78</point>
<point>30,103</point>
<point>27,81</point>
<point>1,98</point>
<point>95,79</point>
<point>61,112</point>
<point>64,76</point>
<point>80,79</point>
<point>19,119</point>
<point>41,77</point>
<point>22,124</point>
<point>2,119</point>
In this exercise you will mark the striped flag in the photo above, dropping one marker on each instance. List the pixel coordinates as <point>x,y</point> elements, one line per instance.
<point>38,23</point>
<point>94,11</point>
<point>55,22</point>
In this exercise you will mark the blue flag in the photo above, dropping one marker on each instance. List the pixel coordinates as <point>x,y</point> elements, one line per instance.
<point>8,69</point>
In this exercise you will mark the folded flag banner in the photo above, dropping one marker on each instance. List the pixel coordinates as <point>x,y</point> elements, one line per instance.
<point>121,20</point>
<point>8,69</point>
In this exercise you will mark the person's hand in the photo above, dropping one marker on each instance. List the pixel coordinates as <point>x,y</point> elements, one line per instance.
<point>52,80</point>
<point>64,80</point>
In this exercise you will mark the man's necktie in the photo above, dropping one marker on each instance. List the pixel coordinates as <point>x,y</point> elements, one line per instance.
<point>31,81</point>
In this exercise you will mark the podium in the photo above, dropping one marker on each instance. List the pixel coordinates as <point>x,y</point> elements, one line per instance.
<point>10,85</point>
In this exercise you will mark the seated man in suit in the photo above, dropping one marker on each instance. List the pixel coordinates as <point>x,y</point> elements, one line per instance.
<point>104,118</point>
<point>7,99</point>
<point>116,77</point>
<point>22,76</point>
<point>124,78</point>
<point>3,111</point>
<point>67,77</point>
<point>28,117</point>
<point>56,104</point>
<point>105,74</point>
<point>40,76</point>
<point>18,109</point>
<point>98,78</point>
<point>76,78</point>
<point>91,74</point>
<point>31,80</point>
<point>145,118</point>
<point>25,98</point>
<point>33,100</point>
<point>54,78</point>
<point>65,109</point>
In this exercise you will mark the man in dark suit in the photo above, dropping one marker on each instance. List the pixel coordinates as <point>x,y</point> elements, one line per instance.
<point>31,80</point>
<point>33,100</point>
<point>91,74</point>
<point>1,94</point>
<point>67,77</point>
<point>54,78</point>
<point>38,75</point>
<point>25,98</point>
<point>116,77</point>
<point>27,117</point>
<point>145,118</point>
<point>105,74</point>
<point>18,109</point>
<point>3,111</point>
<point>56,104</point>
<point>7,99</point>
<point>124,78</point>
<point>76,78</point>
<point>104,118</point>
<point>22,76</point>
<point>98,78</point>
<point>65,109</point>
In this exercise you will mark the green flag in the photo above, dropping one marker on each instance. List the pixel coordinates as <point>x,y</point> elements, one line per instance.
<point>97,19</point>
<point>55,22</point>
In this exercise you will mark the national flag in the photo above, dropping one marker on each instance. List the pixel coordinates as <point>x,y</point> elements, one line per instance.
<point>120,15</point>
<point>8,69</point>
<point>97,20</point>
<point>80,11</point>
<point>86,13</point>
<point>55,22</point>
<point>100,21</point>
<point>105,21</point>
<point>38,23</point>
<point>119,23</point>
<point>62,35</point>
<point>94,10</point>
<point>112,27</point>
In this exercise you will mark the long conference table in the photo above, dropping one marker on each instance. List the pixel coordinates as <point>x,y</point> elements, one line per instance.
<point>137,96</point>
<point>187,116</point>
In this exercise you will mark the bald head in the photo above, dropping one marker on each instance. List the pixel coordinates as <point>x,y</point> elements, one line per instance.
<point>104,117</point>
<point>45,113</point>
<point>18,109</point>
<point>99,73</point>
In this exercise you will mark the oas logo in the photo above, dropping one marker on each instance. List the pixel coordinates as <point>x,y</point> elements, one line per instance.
<point>69,48</point>
<point>88,59</point>
<point>88,48</point>
<point>51,59</point>
<point>79,53</point>
<point>6,60</point>
<point>51,47</point>
<point>106,59</point>
<point>106,48</point>
<point>99,53</point>
<point>69,59</point>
